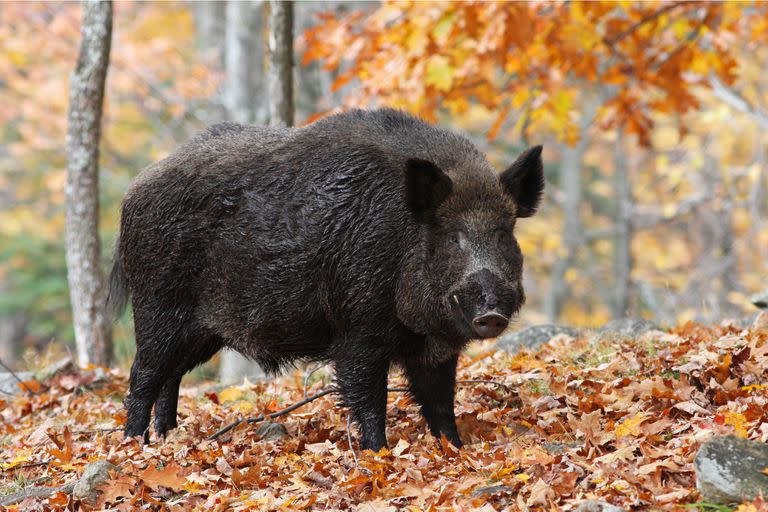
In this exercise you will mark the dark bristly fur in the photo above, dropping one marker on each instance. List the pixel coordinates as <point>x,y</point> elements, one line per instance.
<point>367,239</point>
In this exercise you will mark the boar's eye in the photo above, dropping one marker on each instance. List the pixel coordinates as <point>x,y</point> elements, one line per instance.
<point>456,238</point>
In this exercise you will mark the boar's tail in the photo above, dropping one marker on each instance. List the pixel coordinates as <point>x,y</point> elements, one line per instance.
<point>117,296</point>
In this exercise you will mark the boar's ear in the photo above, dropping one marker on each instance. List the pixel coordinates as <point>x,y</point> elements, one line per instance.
<point>524,181</point>
<point>426,186</point>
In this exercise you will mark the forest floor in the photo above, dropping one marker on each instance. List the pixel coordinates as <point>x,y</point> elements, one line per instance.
<point>618,420</point>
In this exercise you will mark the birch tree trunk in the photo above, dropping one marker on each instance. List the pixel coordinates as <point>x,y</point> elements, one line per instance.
<point>242,65</point>
<point>280,73</point>
<point>573,230</point>
<point>86,97</point>
<point>209,23</point>
<point>239,93</point>
<point>622,249</point>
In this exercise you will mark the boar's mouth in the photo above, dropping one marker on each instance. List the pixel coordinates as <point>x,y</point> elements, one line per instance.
<point>479,328</point>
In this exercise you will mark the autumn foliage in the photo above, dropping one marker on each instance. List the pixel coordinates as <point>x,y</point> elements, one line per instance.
<point>617,419</point>
<point>537,58</point>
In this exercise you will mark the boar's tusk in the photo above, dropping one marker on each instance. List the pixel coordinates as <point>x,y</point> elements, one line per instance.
<point>455,299</point>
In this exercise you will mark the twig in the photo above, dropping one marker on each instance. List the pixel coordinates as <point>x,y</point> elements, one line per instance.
<point>639,23</point>
<point>308,375</point>
<point>737,101</point>
<point>97,429</point>
<point>21,382</point>
<point>35,492</point>
<point>314,397</point>
<point>33,464</point>
<point>262,417</point>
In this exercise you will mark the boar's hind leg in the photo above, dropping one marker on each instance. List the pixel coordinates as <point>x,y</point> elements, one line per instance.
<point>433,387</point>
<point>361,374</point>
<point>160,336</point>
<point>199,350</point>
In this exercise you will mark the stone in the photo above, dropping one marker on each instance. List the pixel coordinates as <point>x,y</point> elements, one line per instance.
<point>623,328</point>
<point>597,506</point>
<point>9,384</point>
<point>743,322</point>
<point>533,337</point>
<point>729,469</point>
<point>95,474</point>
<point>271,431</point>
<point>760,300</point>
<point>484,492</point>
<point>65,365</point>
<point>761,321</point>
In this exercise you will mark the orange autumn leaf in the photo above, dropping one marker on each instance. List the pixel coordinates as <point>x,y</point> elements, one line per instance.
<point>495,52</point>
<point>166,477</point>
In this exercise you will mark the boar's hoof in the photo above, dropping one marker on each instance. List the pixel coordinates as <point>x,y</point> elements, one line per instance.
<point>144,435</point>
<point>163,426</point>
<point>490,325</point>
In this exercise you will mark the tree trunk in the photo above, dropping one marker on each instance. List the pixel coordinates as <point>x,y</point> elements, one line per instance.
<point>239,91</point>
<point>209,24</point>
<point>242,66</point>
<point>280,73</point>
<point>622,249</point>
<point>86,97</point>
<point>570,182</point>
<point>573,231</point>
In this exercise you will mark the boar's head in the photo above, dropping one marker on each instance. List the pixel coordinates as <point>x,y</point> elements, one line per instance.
<point>463,278</point>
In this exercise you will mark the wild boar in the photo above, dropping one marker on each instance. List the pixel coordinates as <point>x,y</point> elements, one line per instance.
<point>367,239</point>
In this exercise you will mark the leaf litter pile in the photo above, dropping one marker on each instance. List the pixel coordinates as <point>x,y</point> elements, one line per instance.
<point>618,420</point>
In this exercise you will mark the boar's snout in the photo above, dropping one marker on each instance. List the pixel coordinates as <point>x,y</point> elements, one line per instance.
<point>490,324</point>
<point>484,303</point>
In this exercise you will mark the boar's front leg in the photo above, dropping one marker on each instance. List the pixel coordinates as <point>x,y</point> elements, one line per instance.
<point>361,375</point>
<point>433,387</point>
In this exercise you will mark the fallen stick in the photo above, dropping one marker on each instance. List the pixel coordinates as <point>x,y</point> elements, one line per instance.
<point>21,382</point>
<point>314,397</point>
<point>35,492</point>
<point>262,417</point>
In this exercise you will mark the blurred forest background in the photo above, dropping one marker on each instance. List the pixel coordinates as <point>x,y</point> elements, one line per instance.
<point>654,119</point>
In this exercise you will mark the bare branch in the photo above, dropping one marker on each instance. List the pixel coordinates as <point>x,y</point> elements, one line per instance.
<point>21,382</point>
<point>639,23</point>
<point>737,101</point>
<point>314,397</point>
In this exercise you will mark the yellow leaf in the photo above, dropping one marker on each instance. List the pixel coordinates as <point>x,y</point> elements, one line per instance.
<point>17,461</point>
<point>523,477</point>
<point>243,407</point>
<point>439,73</point>
<point>231,394</point>
<point>444,25</point>
<point>630,426</point>
<point>738,422</point>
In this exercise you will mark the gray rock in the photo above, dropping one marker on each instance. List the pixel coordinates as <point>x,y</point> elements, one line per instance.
<point>533,337</point>
<point>760,300</point>
<point>95,474</point>
<point>624,328</point>
<point>9,385</point>
<point>597,506</point>
<point>271,431</point>
<point>484,492</point>
<point>65,365</point>
<point>744,322</point>
<point>729,469</point>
